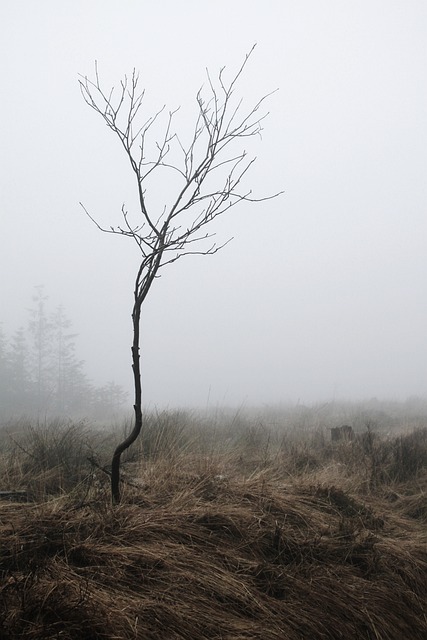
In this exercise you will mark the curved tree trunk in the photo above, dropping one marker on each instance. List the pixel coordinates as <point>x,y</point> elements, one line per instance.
<point>115,463</point>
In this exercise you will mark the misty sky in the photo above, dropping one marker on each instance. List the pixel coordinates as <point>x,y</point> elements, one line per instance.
<point>322,294</point>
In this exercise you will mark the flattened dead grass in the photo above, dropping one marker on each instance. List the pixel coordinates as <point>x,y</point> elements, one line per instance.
<point>204,556</point>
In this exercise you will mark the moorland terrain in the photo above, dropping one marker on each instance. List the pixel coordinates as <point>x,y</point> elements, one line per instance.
<point>232,525</point>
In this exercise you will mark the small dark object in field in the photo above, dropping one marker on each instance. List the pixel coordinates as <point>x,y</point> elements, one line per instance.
<point>342,433</point>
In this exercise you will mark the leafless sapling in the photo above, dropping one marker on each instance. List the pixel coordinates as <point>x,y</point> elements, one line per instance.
<point>209,170</point>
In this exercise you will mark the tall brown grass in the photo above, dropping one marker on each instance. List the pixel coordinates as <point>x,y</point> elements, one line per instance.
<point>231,527</point>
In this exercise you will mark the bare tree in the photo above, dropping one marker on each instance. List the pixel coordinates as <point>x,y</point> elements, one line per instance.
<point>209,172</point>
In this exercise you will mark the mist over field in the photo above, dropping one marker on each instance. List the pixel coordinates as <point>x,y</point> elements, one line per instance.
<point>321,296</point>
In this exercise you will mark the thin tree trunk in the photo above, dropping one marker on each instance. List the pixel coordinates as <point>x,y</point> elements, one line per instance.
<point>115,463</point>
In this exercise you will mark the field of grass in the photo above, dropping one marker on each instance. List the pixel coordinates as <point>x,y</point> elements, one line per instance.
<point>233,526</point>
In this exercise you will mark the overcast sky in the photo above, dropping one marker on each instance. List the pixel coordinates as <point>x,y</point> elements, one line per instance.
<point>322,294</point>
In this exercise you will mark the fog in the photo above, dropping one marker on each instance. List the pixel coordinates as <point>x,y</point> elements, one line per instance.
<point>322,294</point>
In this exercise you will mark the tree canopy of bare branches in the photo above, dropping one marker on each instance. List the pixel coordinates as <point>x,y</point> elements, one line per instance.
<point>209,173</point>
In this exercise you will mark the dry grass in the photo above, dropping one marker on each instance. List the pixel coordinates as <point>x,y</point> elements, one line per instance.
<point>275,539</point>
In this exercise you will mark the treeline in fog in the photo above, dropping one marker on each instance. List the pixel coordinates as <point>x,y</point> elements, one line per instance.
<point>40,373</point>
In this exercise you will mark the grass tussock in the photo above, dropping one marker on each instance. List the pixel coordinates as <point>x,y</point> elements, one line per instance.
<point>272,537</point>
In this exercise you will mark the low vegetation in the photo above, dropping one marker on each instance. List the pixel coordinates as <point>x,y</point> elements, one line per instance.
<point>232,526</point>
